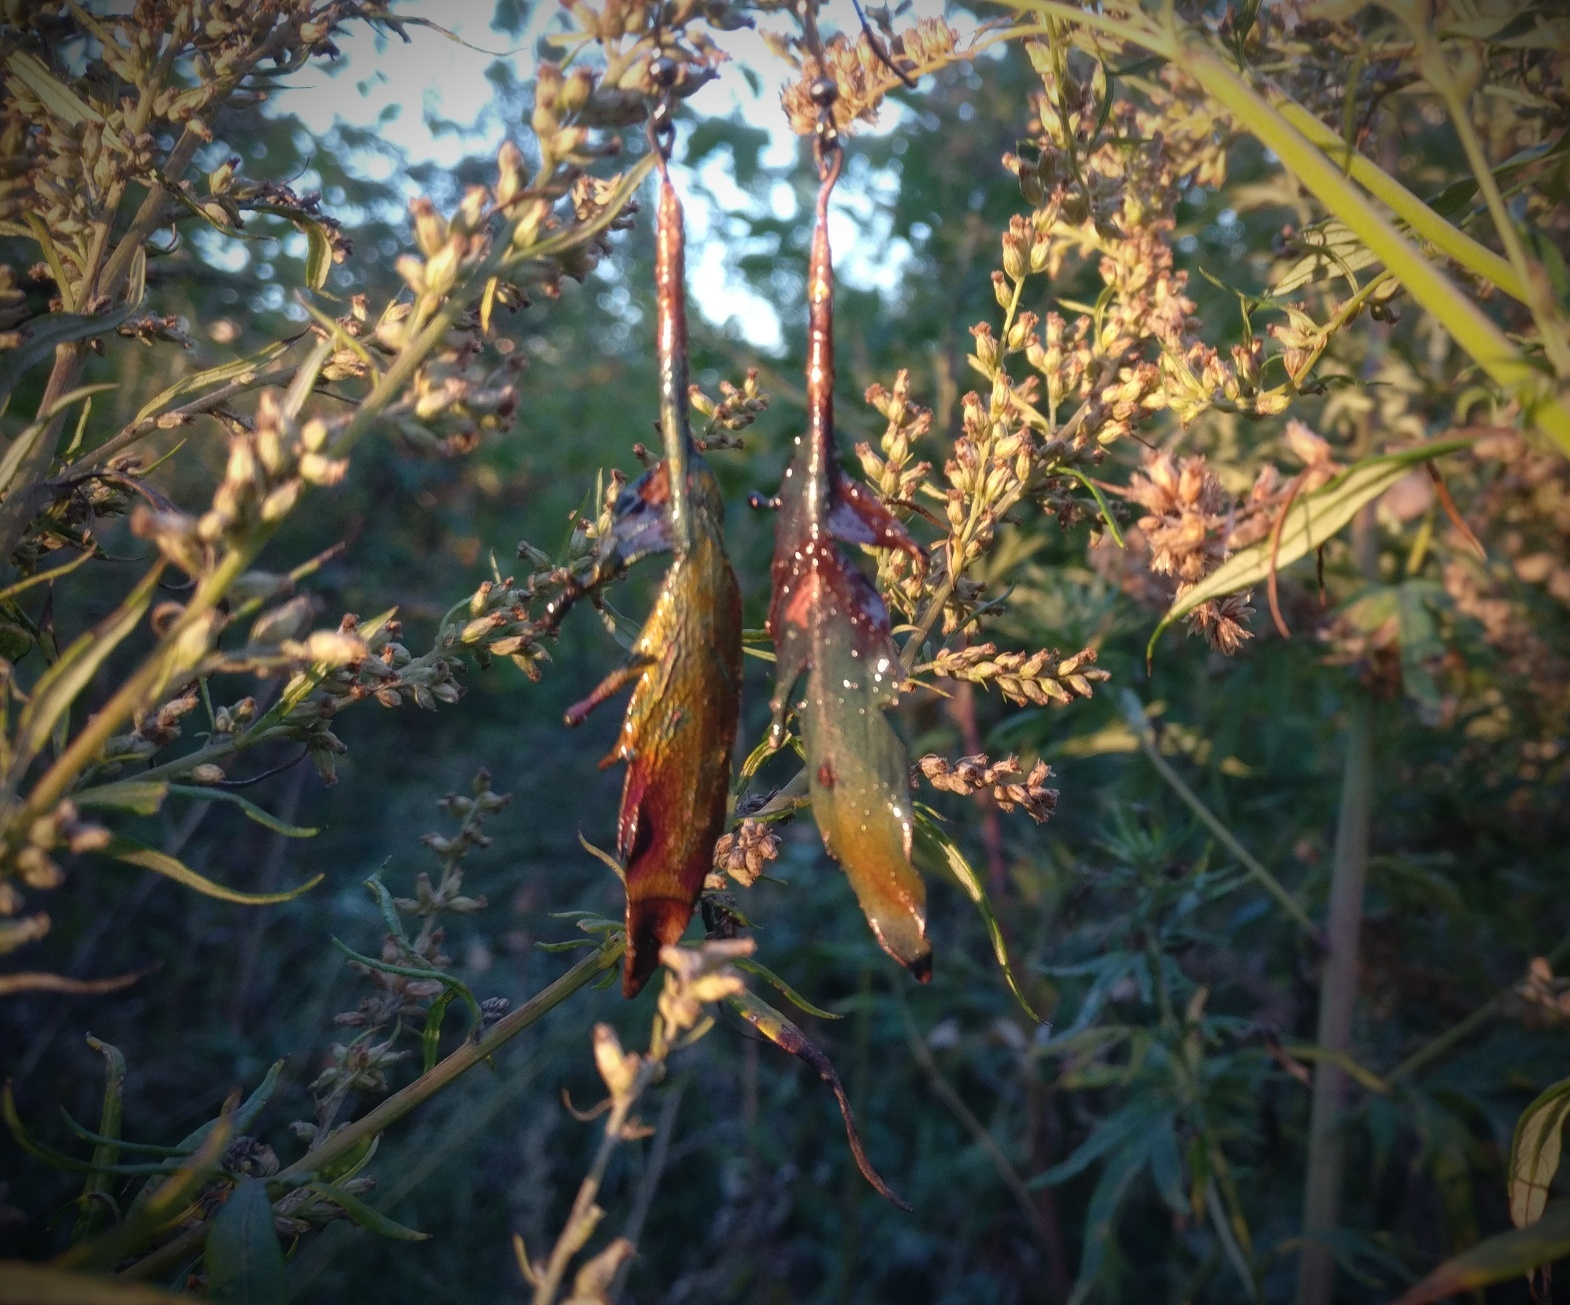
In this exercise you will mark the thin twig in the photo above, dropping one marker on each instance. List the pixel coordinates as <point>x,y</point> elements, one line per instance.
<point>1134,710</point>
<point>395,1107</point>
<point>984,1139</point>
<point>659,1152</point>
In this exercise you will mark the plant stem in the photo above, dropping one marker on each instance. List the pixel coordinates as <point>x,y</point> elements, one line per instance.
<point>585,1213</point>
<point>1425,1055</point>
<point>659,1152</point>
<point>1194,54</point>
<point>1538,297</point>
<point>1444,236</point>
<point>1000,1162</point>
<point>1134,710</point>
<point>1338,988</point>
<point>459,1062</point>
<point>398,1105</point>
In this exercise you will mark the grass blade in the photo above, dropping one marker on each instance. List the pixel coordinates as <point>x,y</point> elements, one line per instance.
<point>131,852</point>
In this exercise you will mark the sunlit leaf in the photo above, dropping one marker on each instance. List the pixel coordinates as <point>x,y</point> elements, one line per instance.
<point>791,995</point>
<point>1312,520</point>
<point>212,376</point>
<point>786,1036</point>
<point>1534,1153</point>
<point>54,94</point>
<point>139,854</point>
<point>933,842</point>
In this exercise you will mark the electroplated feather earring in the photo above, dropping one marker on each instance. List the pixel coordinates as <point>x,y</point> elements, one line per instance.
<point>831,629</point>
<point>685,668</point>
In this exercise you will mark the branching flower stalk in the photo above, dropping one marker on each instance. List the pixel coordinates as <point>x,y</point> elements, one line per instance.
<point>694,977</point>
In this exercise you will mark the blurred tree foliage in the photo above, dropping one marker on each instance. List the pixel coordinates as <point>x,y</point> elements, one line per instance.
<point>1151,1137</point>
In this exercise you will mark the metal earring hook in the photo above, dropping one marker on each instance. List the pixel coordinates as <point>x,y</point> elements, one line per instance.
<point>664,73</point>
<point>824,91</point>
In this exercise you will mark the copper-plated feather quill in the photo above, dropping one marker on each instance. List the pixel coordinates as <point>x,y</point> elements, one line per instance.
<point>680,726</point>
<point>831,633</point>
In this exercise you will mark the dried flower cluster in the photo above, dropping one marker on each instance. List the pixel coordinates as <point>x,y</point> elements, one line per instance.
<point>864,74</point>
<point>743,854</point>
<point>1005,780</point>
<point>399,975</point>
<point>1034,679</point>
<point>1540,999</point>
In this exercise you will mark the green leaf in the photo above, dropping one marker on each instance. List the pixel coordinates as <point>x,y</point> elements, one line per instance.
<point>22,1283</point>
<point>1425,220</point>
<point>58,687</point>
<point>44,333</point>
<point>431,1035</point>
<point>1424,278</point>
<point>366,1216</point>
<point>1534,1153</point>
<point>45,577</point>
<point>91,1212</point>
<point>319,253</point>
<point>58,1159</point>
<point>139,854</point>
<point>935,846</point>
<point>1110,1135</point>
<point>1333,251</point>
<point>1312,520</point>
<point>142,796</point>
<point>213,376</point>
<point>351,1161</point>
<point>54,94</point>
<point>245,1263</point>
<point>1102,1212</point>
<point>787,1037</point>
<point>388,907</point>
<point>791,995</point>
<point>157,1204</point>
<point>256,813</point>
<point>1495,1259</point>
<point>1166,1166</point>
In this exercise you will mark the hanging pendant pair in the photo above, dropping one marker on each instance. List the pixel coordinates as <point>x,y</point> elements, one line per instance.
<point>830,628</point>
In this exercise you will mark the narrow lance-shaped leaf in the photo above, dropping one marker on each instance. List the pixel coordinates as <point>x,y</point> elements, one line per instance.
<point>936,846</point>
<point>1498,1258</point>
<point>91,1213</point>
<point>685,667</point>
<point>1312,520</point>
<point>367,1216</point>
<point>131,852</point>
<point>43,334</point>
<point>786,1036</point>
<point>831,632</point>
